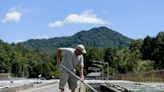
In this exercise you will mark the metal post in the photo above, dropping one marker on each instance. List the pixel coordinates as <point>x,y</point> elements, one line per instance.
<point>107,71</point>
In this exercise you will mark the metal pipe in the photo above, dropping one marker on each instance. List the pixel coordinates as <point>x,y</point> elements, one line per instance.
<point>78,77</point>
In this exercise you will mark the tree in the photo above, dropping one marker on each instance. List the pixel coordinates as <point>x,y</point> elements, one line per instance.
<point>91,55</point>
<point>130,60</point>
<point>110,57</point>
<point>147,48</point>
<point>16,69</point>
<point>158,53</point>
<point>152,49</point>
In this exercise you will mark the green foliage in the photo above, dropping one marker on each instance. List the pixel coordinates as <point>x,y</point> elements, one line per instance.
<point>110,57</point>
<point>145,65</point>
<point>91,55</point>
<point>147,48</point>
<point>100,37</point>
<point>130,60</point>
<point>23,62</point>
<point>123,57</point>
<point>111,70</point>
<point>152,49</point>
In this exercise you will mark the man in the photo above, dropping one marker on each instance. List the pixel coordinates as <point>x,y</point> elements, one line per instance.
<point>71,57</point>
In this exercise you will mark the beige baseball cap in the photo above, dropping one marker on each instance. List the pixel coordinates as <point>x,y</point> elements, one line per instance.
<point>81,48</point>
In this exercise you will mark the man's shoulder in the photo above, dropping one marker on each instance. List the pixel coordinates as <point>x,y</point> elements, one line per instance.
<point>63,48</point>
<point>67,49</point>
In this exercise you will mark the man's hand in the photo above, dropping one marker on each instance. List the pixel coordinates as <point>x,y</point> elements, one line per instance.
<point>81,79</point>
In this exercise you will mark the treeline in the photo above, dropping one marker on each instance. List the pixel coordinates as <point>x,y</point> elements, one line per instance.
<point>23,62</point>
<point>153,49</point>
<point>142,55</point>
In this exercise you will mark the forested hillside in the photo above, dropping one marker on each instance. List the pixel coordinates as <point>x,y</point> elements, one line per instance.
<point>101,37</point>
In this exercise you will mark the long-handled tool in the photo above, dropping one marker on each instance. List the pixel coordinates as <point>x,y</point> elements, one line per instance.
<point>78,78</point>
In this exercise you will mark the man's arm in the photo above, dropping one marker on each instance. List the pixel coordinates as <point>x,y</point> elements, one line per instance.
<point>58,57</point>
<point>81,68</point>
<point>81,73</point>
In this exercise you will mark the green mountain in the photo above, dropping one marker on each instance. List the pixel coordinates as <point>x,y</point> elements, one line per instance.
<point>101,37</point>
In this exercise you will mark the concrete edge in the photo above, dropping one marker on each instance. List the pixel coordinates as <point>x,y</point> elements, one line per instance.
<point>26,86</point>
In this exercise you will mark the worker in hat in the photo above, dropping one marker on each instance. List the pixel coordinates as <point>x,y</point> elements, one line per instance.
<point>71,57</point>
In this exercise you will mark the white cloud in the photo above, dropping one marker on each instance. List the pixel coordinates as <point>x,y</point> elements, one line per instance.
<point>86,17</point>
<point>56,24</point>
<point>12,16</point>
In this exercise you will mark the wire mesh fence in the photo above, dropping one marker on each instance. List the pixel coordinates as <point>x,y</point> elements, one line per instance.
<point>151,76</point>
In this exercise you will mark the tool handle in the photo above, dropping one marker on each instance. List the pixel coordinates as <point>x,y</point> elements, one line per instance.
<point>78,77</point>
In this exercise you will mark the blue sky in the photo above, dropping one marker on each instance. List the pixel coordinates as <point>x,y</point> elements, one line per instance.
<point>21,20</point>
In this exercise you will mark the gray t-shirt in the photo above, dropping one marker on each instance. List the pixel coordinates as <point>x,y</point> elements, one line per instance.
<point>70,60</point>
